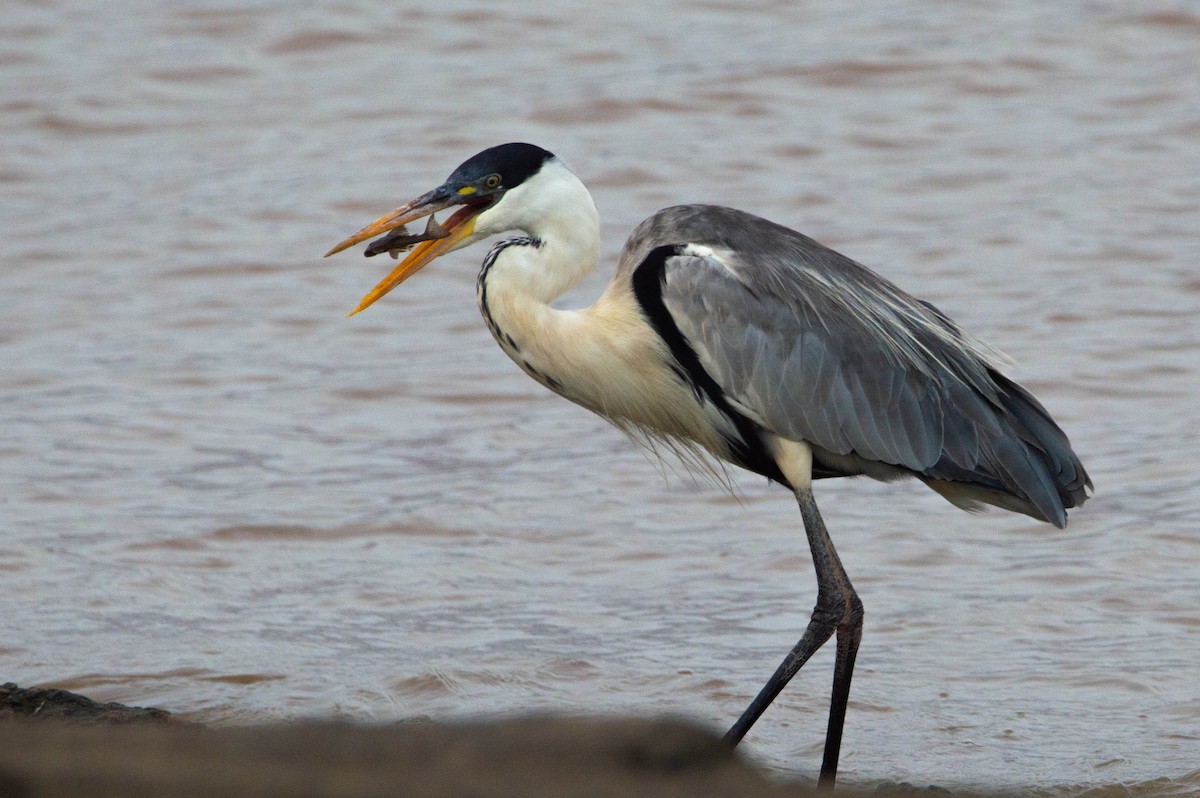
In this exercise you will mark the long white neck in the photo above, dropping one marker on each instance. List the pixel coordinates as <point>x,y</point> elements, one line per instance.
<point>605,357</point>
<point>520,277</point>
<point>555,209</point>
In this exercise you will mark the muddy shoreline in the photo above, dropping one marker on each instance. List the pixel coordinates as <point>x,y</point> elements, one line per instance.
<point>58,743</point>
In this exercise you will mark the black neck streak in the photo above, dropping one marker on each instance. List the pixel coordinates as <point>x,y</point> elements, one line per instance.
<point>506,341</point>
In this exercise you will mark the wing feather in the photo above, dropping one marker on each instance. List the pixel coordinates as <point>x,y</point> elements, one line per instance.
<point>819,348</point>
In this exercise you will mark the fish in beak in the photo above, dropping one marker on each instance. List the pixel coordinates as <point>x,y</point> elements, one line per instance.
<point>399,240</point>
<point>437,240</point>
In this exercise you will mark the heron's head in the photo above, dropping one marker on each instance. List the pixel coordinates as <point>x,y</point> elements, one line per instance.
<point>479,187</point>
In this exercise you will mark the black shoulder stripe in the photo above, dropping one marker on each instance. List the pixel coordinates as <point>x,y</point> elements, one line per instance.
<point>648,278</point>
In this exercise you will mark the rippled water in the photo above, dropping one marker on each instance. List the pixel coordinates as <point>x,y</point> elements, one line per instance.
<point>220,496</point>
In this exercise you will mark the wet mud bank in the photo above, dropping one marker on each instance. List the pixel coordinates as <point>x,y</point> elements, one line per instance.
<point>58,743</point>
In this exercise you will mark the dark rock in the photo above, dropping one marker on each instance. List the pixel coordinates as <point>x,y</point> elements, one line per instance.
<point>37,703</point>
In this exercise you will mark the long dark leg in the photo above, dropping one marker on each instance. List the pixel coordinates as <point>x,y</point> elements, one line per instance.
<point>838,610</point>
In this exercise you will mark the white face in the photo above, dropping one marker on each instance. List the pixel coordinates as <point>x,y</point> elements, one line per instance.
<point>529,206</point>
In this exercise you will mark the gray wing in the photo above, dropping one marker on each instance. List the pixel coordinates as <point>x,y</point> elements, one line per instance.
<point>816,347</point>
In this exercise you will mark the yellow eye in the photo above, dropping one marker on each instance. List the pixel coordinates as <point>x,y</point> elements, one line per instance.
<point>492,181</point>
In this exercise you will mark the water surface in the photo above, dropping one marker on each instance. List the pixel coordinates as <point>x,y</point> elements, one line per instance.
<point>220,496</point>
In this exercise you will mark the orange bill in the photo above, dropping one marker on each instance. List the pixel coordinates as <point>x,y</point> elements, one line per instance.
<point>456,229</point>
<point>424,205</point>
<point>460,226</point>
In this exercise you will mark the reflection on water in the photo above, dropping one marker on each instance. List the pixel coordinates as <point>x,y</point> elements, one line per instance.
<point>220,496</point>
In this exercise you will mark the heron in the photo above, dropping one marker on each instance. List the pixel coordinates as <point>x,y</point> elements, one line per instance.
<point>723,334</point>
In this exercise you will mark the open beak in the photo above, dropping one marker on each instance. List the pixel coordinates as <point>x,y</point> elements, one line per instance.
<point>459,226</point>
